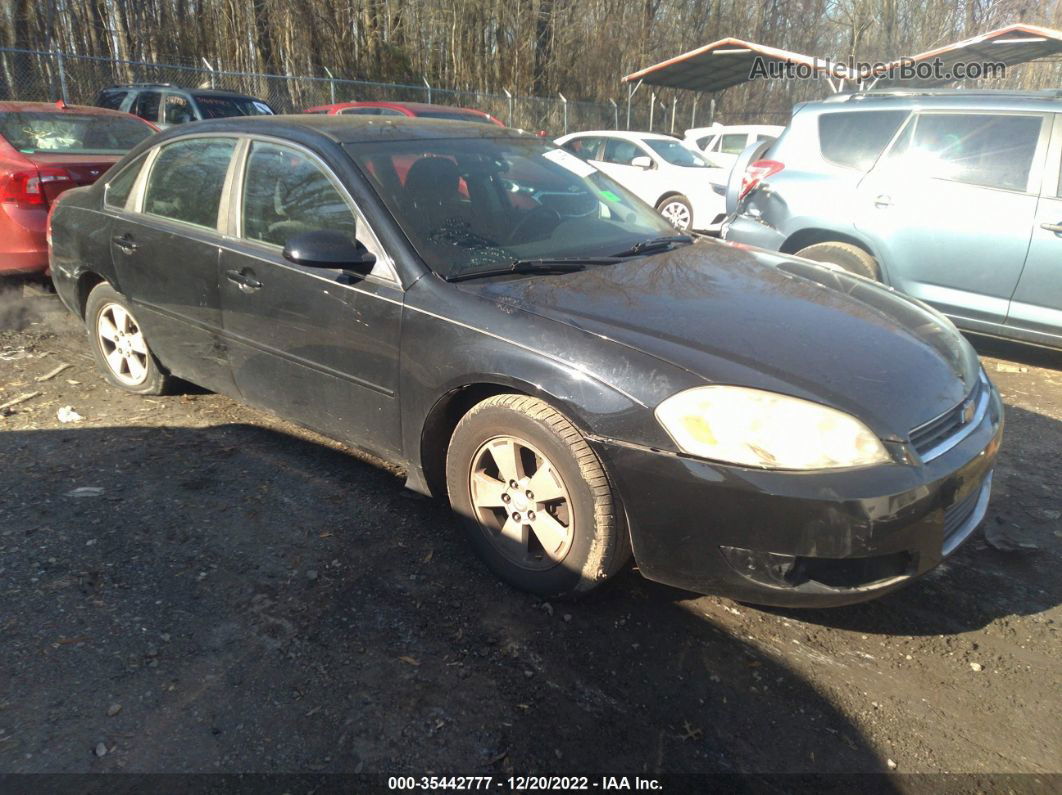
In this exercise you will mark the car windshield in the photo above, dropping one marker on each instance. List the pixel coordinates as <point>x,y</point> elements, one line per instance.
<point>213,106</point>
<point>471,204</point>
<point>454,116</point>
<point>676,154</point>
<point>72,133</point>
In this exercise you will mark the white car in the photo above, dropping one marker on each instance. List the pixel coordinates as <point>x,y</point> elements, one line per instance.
<point>725,143</point>
<point>687,188</point>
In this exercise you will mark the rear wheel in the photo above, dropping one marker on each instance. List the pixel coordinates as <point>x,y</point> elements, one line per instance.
<point>119,346</point>
<point>536,504</point>
<point>845,255</point>
<point>676,211</point>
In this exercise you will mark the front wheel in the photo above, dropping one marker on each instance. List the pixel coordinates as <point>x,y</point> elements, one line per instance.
<point>536,504</point>
<point>677,211</point>
<point>119,346</point>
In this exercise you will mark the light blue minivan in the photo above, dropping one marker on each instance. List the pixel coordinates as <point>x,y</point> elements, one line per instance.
<point>952,197</point>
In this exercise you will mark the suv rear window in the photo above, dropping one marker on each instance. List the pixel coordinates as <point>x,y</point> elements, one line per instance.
<point>856,138</point>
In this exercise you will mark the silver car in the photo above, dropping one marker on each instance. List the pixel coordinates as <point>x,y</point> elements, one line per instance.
<point>952,197</point>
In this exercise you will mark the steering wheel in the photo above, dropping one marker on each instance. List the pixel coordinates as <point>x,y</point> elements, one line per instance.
<point>546,219</point>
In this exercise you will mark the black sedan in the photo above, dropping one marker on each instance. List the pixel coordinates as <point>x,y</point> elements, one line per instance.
<point>530,341</point>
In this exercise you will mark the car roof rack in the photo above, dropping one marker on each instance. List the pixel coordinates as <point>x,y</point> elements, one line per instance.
<point>884,93</point>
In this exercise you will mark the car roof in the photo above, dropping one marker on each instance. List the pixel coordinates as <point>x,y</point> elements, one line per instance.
<point>628,135</point>
<point>412,107</point>
<point>56,107</point>
<point>349,129</point>
<point>211,92</point>
<point>959,99</point>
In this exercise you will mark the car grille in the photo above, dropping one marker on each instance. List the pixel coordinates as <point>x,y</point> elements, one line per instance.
<point>941,434</point>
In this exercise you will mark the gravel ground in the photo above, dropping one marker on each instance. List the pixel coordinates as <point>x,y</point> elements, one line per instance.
<point>190,585</point>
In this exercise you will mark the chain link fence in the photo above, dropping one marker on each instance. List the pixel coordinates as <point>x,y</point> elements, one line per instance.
<point>34,75</point>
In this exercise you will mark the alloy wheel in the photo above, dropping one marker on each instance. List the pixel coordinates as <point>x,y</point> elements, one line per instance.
<point>521,503</point>
<point>677,213</point>
<point>122,343</point>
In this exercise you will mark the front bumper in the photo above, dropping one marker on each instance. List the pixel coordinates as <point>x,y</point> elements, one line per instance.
<point>801,539</point>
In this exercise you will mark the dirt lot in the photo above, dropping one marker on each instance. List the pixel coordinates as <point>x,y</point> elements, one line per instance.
<point>232,593</point>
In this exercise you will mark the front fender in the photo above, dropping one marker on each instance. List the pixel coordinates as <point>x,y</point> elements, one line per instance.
<point>608,391</point>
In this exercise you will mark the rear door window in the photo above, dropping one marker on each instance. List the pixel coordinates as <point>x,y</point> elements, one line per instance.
<point>621,151</point>
<point>991,150</point>
<point>177,109</point>
<point>187,180</point>
<point>856,138</point>
<point>147,105</point>
<point>587,147</point>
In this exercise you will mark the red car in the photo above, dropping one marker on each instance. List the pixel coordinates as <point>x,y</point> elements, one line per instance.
<point>46,148</point>
<point>421,109</point>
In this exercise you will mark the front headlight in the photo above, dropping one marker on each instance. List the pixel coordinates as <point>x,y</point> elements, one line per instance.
<point>755,428</point>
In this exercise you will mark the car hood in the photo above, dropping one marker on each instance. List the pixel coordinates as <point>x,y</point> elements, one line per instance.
<point>732,315</point>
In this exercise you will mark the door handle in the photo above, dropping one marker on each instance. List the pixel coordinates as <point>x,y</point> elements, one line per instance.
<point>884,200</point>
<point>125,243</point>
<point>245,279</point>
<point>1056,228</point>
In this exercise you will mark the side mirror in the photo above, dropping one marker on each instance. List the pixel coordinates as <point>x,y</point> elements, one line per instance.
<point>326,248</point>
<point>642,161</point>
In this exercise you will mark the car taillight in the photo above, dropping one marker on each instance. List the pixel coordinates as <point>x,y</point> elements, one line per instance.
<point>48,222</point>
<point>756,173</point>
<point>28,188</point>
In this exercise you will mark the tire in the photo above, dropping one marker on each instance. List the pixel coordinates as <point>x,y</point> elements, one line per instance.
<point>591,543</point>
<point>852,258</point>
<point>119,346</point>
<point>677,211</point>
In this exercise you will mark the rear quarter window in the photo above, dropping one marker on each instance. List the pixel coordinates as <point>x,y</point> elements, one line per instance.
<point>111,99</point>
<point>856,138</point>
<point>117,191</point>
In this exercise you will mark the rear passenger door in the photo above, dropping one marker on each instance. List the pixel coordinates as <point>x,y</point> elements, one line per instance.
<point>165,246</point>
<point>950,208</point>
<point>315,345</point>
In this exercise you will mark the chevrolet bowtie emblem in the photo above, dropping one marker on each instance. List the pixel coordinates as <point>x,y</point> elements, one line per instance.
<point>967,411</point>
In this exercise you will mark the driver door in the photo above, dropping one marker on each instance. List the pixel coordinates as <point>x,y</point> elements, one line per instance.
<point>315,345</point>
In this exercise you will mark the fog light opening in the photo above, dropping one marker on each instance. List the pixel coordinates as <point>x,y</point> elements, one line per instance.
<point>767,568</point>
<point>792,571</point>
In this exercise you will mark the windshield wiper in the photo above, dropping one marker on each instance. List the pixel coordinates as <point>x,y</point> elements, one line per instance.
<point>646,246</point>
<point>561,265</point>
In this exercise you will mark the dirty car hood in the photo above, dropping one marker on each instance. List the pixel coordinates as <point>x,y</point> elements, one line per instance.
<point>736,316</point>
